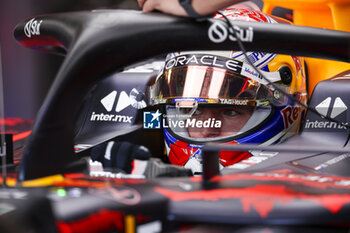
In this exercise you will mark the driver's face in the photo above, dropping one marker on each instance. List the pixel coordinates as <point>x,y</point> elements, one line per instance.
<point>232,120</point>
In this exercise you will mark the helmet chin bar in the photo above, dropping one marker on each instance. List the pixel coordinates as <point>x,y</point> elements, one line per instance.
<point>90,57</point>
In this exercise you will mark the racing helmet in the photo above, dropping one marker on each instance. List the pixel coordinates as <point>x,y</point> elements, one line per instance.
<point>216,96</point>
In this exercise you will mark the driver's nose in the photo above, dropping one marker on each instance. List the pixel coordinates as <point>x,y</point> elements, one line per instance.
<point>210,132</point>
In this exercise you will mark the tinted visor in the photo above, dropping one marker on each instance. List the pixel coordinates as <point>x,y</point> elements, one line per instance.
<point>211,84</point>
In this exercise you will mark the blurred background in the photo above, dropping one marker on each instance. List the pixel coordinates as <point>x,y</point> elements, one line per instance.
<point>28,74</point>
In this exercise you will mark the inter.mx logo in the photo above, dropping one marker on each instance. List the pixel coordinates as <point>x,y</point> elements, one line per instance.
<point>338,107</point>
<point>151,120</point>
<point>325,109</point>
<point>123,102</point>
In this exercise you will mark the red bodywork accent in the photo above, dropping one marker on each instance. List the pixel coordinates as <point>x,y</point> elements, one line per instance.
<point>292,178</point>
<point>20,136</point>
<point>14,121</point>
<point>20,128</point>
<point>228,158</point>
<point>261,197</point>
<point>283,176</point>
<point>103,221</point>
<point>45,43</point>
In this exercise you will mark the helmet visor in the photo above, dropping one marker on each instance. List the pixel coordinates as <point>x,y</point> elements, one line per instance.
<point>210,85</point>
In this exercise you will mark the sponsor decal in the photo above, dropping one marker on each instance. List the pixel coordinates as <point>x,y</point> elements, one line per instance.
<point>234,102</point>
<point>135,100</point>
<point>338,107</point>
<point>313,178</point>
<point>325,109</point>
<point>108,101</point>
<point>225,63</point>
<point>218,33</point>
<point>259,59</point>
<point>332,162</point>
<point>324,125</point>
<point>258,157</point>
<point>151,120</point>
<point>110,117</point>
<point>204,60</point>
<point>111,175</point>
<point>250,72</point>
<point>125,100</point>
<point>290,115</point>
<point>32,27</point>
<point>322,108</point>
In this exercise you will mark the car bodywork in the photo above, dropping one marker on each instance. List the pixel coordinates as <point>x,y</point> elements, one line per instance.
<point>302,184</point>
